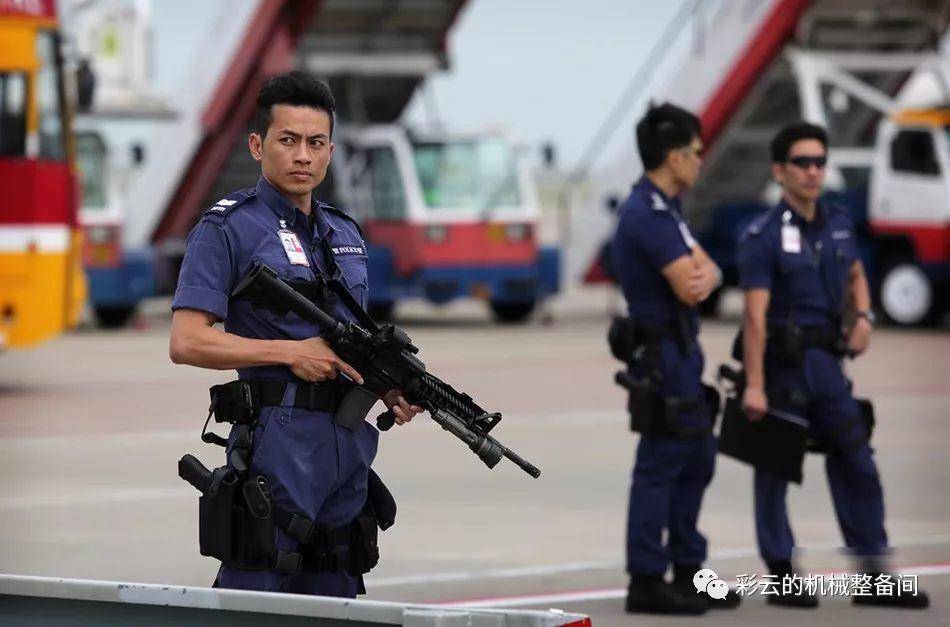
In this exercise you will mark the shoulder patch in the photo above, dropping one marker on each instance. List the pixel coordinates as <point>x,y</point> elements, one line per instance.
<point>342,213</point>
<point>231,202</point>
<point>657,203</point>
<point>758,223</point>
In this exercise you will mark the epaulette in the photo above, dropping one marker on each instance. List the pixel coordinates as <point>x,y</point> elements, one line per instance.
<point>757,225</point>
<point>340,212</point>
<point>657,203</point>
<point>231,202</point>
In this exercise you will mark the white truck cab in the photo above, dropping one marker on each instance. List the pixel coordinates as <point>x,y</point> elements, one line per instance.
<point>909,213</point>
<point>447,216</point>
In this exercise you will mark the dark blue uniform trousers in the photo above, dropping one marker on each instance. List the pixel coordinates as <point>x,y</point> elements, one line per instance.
<point>317,468</point>
<point>855,485</point>
<point>670,476</point>
<point>669,479</point>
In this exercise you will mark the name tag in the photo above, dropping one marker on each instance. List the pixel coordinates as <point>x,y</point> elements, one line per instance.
<point>840,234</point>
<point>348,250</point>
<point>687,236</point>
<point>291,244</point>
<point>791,239</point>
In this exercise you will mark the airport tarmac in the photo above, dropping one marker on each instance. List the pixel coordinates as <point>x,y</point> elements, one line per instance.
<point>92,425</point>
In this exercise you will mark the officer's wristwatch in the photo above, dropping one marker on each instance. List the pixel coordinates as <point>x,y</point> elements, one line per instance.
<point>867,315</point>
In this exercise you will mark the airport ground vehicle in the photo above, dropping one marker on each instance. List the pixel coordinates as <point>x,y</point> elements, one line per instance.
<point>119,277</point>
<point>42,287</point>
<point>909,215</point>
<point>446,217</point>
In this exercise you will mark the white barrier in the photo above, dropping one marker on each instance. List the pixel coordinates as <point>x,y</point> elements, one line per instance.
<point>48,601</point>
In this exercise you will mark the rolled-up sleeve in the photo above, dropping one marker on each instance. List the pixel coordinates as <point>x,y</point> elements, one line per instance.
<point>206,276</point>
<point>755,262</point>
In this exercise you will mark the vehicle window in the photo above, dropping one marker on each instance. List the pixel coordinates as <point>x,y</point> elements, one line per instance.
<point>480,175</point>
<point>389,198</point>
<point>91,161</point>
<point>912,151</point>
<point>12,114</point>
<point>49,96</point>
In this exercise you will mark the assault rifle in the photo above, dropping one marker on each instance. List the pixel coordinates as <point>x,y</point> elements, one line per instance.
<point>386,358</point>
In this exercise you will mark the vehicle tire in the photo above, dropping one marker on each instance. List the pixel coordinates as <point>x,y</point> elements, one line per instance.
<point>114,317</point>
<point>709,308</point>
<point>512,312</point>
<point>906,294</point>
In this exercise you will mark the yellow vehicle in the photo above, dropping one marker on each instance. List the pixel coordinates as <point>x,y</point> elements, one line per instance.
<point>42,287</point>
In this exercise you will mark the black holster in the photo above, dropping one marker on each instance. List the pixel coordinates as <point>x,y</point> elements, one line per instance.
<point>653,414</point>
<point>622,338</point>
<point>235,525</point>
<point>644,403</point>
<point>364,547</point>
<point>234,402</point>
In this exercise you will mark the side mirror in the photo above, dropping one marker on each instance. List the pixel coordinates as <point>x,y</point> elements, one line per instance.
<point>138,154</point>
<point>549,155</point>
<point>85,86</point>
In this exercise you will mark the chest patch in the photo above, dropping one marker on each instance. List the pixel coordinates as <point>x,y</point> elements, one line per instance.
<point>291,244</point>
<point>791,239</point>
<point>840,234</point>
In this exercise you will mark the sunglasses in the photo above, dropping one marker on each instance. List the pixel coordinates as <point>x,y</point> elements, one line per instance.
<point>805,162</point>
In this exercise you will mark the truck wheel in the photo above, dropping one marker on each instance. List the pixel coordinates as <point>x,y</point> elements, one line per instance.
<point>114,317</point>
<point>906,294</point>
<point>512,312</point>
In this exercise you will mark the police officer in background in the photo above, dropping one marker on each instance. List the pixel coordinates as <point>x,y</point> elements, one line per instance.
<point>800,270</point>
<point>664,275</point>
<point>316,469</point>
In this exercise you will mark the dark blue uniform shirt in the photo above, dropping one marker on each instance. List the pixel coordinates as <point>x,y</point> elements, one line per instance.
<point>650,234</point>
<point>804,265</point>
<point>247,227</point>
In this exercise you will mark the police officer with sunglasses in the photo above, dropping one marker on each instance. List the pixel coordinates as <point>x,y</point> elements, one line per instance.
<point>802,275</point>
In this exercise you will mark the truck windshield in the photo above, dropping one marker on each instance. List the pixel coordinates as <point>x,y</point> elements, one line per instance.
<point>478,174</point>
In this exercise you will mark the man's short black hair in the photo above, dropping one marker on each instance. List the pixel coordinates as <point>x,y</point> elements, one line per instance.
<point>664,128</point>
<point>296,88</point>
<point>797,131</point>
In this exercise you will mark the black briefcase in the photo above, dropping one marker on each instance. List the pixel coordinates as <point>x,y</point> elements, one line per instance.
<point>775,444</point>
